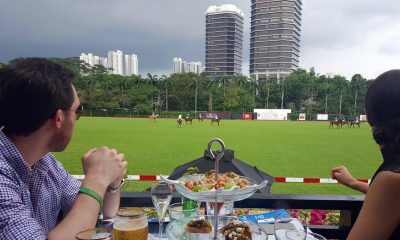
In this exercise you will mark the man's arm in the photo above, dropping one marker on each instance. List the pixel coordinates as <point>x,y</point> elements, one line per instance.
<point>111,203</point>
<point>16,221</point>
<point>102,167</point>
<point>83,214</point>
<point>343,176</point>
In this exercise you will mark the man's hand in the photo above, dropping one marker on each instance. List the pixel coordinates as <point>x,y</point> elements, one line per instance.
<point>105,165</point>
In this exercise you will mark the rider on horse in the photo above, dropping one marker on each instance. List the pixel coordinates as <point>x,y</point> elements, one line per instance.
<point>180,120</point>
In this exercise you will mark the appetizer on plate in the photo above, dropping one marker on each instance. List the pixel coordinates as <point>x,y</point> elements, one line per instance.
<point>236,230</point>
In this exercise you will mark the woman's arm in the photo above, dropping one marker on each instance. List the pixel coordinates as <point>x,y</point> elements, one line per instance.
<point>343,176</point>
<point>380,213</point>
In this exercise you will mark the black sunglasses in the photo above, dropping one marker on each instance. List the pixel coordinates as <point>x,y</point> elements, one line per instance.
<point>78,112</point>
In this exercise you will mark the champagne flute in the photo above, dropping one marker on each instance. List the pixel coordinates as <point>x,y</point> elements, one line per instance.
<point>161,195</point>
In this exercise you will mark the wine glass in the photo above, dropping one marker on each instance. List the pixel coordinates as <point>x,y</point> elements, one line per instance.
<point>161,195</point>
<point>284,229</point>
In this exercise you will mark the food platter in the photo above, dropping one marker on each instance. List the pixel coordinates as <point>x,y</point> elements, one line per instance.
<point>235,193</point>
<point>176,229</point>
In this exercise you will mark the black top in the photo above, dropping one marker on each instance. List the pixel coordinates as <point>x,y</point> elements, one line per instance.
<point>391,162</point>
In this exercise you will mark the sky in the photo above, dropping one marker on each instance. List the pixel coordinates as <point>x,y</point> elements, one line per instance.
<point>338,36</point>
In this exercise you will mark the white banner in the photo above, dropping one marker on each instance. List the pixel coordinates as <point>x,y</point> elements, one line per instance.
<point>322,117</point>
<point>302,116</point>
<point>272,114</point>
<point>363,118</point>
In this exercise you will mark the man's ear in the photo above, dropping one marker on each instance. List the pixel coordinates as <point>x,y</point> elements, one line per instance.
<point>59,118</point>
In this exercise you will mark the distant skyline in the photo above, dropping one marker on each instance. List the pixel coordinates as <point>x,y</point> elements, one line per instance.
<point>341,37</point>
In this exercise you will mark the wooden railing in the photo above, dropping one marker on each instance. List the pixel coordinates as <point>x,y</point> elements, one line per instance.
<point>349,206</point>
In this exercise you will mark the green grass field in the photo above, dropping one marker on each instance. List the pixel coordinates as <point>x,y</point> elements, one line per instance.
<point>286,149</point>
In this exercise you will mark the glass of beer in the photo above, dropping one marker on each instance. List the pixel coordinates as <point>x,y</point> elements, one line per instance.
<point>130,223</point>
<point>94,234</point>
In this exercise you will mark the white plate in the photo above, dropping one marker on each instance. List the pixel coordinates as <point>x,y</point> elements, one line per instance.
<point>221,195</point>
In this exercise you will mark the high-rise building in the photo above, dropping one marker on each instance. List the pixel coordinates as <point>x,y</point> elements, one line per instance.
<point>115,62</point>
<point>180,66</point>
<point>224,40</point>
<point>177,66</point>
<point>93,60</point>
<point>131,65</point>
<point>274,38</point>
<point>194,67</point>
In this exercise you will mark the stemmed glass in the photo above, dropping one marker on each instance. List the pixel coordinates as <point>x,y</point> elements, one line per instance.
<point>161,195</point>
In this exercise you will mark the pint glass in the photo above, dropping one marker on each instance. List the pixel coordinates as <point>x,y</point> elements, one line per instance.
<point>130,224</point>
<point>94,234</point>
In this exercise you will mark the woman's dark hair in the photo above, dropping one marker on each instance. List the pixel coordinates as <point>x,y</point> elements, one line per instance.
<point>31,91</point>
<point>382,104</point>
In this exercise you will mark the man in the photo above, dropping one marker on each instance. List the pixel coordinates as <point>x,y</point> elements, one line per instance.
<point>179,120</point>
<point>38,109</point>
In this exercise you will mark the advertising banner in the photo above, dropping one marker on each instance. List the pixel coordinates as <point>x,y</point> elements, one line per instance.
<point>272,114</point>
<point>363,118</point>
<point>302,116</point>
<point>322,117</point>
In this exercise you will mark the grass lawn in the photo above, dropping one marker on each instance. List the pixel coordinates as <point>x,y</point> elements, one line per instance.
<point>282,149</point>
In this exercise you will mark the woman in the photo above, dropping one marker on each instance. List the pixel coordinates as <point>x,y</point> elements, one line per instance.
<point>380,214</point>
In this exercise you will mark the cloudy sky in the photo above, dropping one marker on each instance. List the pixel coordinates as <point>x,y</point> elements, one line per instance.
<point>338,36</point>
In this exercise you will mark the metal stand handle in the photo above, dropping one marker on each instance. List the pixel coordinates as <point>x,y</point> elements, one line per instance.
<point>217,158</point>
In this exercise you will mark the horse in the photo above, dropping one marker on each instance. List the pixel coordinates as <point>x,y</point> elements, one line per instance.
<point>189,119</point>
<point>338,123</point>
<point>153,118</point>
<point>215,120</point>
<point>344,122</point>
<point>200,118</point>
<point>179,123</point>
<point>354,123</point>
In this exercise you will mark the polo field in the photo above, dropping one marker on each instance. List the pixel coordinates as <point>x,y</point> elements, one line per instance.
<point>299,149</point>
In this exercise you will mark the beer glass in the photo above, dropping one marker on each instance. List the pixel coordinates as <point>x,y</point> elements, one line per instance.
<point>94,234</point>
<point>130,224</point>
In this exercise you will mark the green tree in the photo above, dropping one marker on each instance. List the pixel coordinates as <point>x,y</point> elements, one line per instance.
<point>357,83</point>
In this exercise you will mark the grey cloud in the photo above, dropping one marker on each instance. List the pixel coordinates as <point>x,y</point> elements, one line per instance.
<point>158,30</point>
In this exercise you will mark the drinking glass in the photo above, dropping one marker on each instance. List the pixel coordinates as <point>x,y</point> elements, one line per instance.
<point>94,234</point>
<point>284,230</point>
<point>177,213</point>
<point>161,195</point>
<point>130,223</point>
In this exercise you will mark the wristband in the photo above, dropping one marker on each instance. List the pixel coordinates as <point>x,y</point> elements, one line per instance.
<point>93,194</point>
<point>99,199</point>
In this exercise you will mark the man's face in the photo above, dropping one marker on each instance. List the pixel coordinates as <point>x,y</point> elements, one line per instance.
<point>62,137</point>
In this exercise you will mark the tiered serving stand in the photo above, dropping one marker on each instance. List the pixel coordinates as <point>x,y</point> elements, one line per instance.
<point>220,195</point>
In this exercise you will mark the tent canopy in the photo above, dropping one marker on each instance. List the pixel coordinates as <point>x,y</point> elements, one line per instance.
<point>227,163</point>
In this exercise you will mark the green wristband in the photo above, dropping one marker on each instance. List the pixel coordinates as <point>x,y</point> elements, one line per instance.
<point>94,195</point>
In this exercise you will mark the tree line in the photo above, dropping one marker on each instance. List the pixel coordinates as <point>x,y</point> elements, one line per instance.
<point>302,91</point>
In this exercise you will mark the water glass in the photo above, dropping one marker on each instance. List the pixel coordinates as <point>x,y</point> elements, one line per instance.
<point>177,213</point>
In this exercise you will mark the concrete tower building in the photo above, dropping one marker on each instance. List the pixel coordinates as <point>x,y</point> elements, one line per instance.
<point>274,38</point>
<point>224,40</point>
<point>115,61</point>
<point>177,65</point>
<point>131,65</point>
